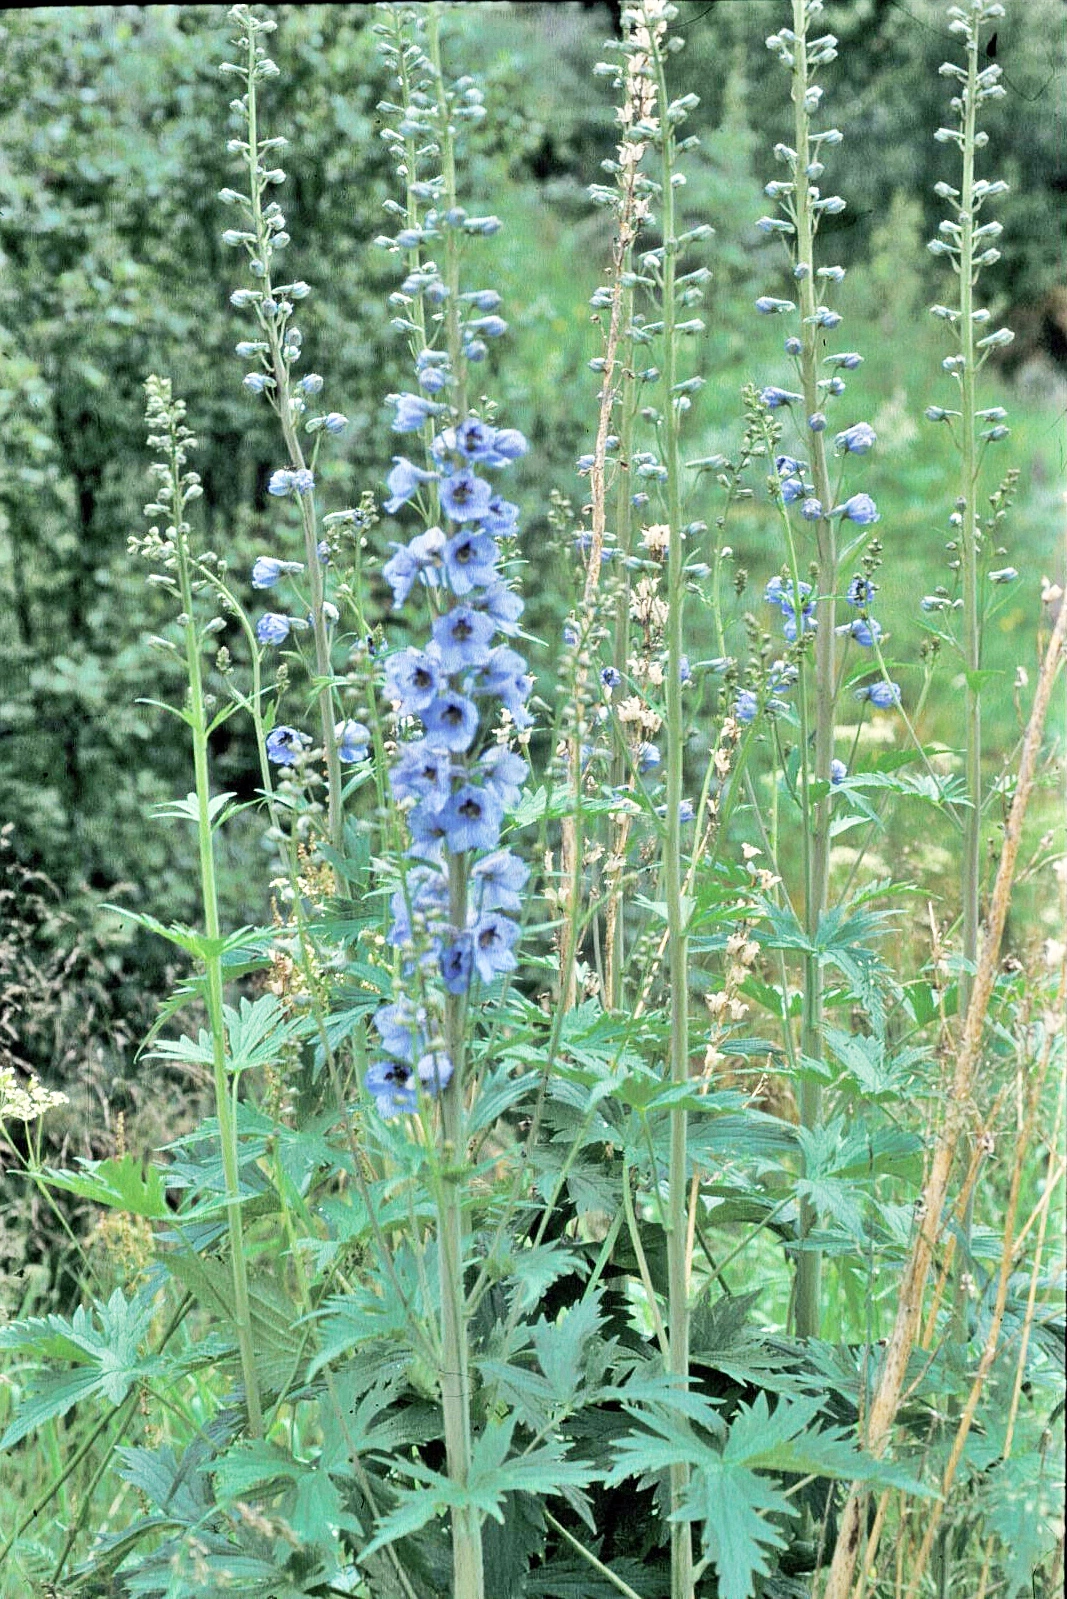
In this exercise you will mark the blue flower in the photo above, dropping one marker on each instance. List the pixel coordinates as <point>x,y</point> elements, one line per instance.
<point>497,881</point>
<point>256,382</point>
<point>420,557</point>
<point>423,771</point>
<point>433,379</point>
<point>413,677</point>
<point>492,938</point>
<point>266,571</point>
<point>310,384</point>
<point>865,630</point>
<point>457,962</point>
<point>464,497</point>
<point>648,758</point>
<point>856,440</point>
<point>391,1084</point>
<point>462,636</point>
<point>285,746</point>
<point>273,628</point>
<point>400,572</point>
<point>811,509</point>
<point>792,489</point>
<point>861,592</point>
<point>1006,574</point>
<point>335,422</point>
<point>860,508</point>
<point>504,773</point>
<point>789,466</point>
<point>504,606</point>
<point>401,1026</point>
<point>411,412</point>
<point>611,677</point>
<point>403,481</point>
<point>304,480</point>
<point>427,831</point>
<point>451,720</point>
<point>423,893</point>
<point>490,327</point>
<point>471,819</point>
<point>767,305</point>
<point>501,518</point>
<point>838,772</point>
<point>882,695</point>
<point>470,561</point>
<point>434,1071</point>
<point>483,299</point>
<point>510,443</point>
<point>505,676</point>
<point>745,706</point>
<point>353,741</point>
<point>772,397</point>
<point>281,483</point>
<point>473,439</point>
<point>817,422</point>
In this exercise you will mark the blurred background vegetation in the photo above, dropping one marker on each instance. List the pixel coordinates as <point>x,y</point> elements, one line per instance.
<point>112,150</point>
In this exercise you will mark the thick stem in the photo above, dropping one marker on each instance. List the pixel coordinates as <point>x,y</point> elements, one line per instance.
<point>817,821</point>
<point>454,1372</point>
<point>468,1580</point>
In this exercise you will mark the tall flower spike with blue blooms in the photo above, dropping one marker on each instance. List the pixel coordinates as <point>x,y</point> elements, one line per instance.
<point>459,693</point>
<point>819,385</point>
<point>970,244</point>
<point>274,352</point>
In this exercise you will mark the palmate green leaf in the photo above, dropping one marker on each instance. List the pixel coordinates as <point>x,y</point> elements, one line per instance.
<point>497,1092</point>
<point>493,1476</point>
<point>311,1502</point>
<point>733,1503</point>
<point>1021,1502</point>
<point>122,1182</point>
<point>561,1345</point>
<point>256,1033</point>
<point>104,1344</point>
<point>864,1058</point>
<point>535,1269</point>
<point>727,1491</point>
<point>282,1344</point>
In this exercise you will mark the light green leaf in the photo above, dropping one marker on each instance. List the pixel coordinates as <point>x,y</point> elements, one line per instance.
<point>121,1182</point>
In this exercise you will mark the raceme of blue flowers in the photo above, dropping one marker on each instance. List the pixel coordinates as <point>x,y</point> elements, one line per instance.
<point>455,778</point>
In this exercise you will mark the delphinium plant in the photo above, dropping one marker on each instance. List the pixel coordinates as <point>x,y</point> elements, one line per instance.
<point>814,511</point>
<point>493,1271</point>
<point>969,244</point>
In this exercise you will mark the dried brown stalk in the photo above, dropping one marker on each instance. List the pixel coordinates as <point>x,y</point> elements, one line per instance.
<point>887,1397</point>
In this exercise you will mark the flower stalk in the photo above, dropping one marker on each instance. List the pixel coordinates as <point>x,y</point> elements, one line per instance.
<point>968,246</point>
<point>677,912</point>
<point>817,821</point>
<point>175,490</point>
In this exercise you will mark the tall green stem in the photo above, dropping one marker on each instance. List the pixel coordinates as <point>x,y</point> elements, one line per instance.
<point>817,821</point>
<point>224,1108</point>
<point>677,914</point>
<point>972,645</point>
